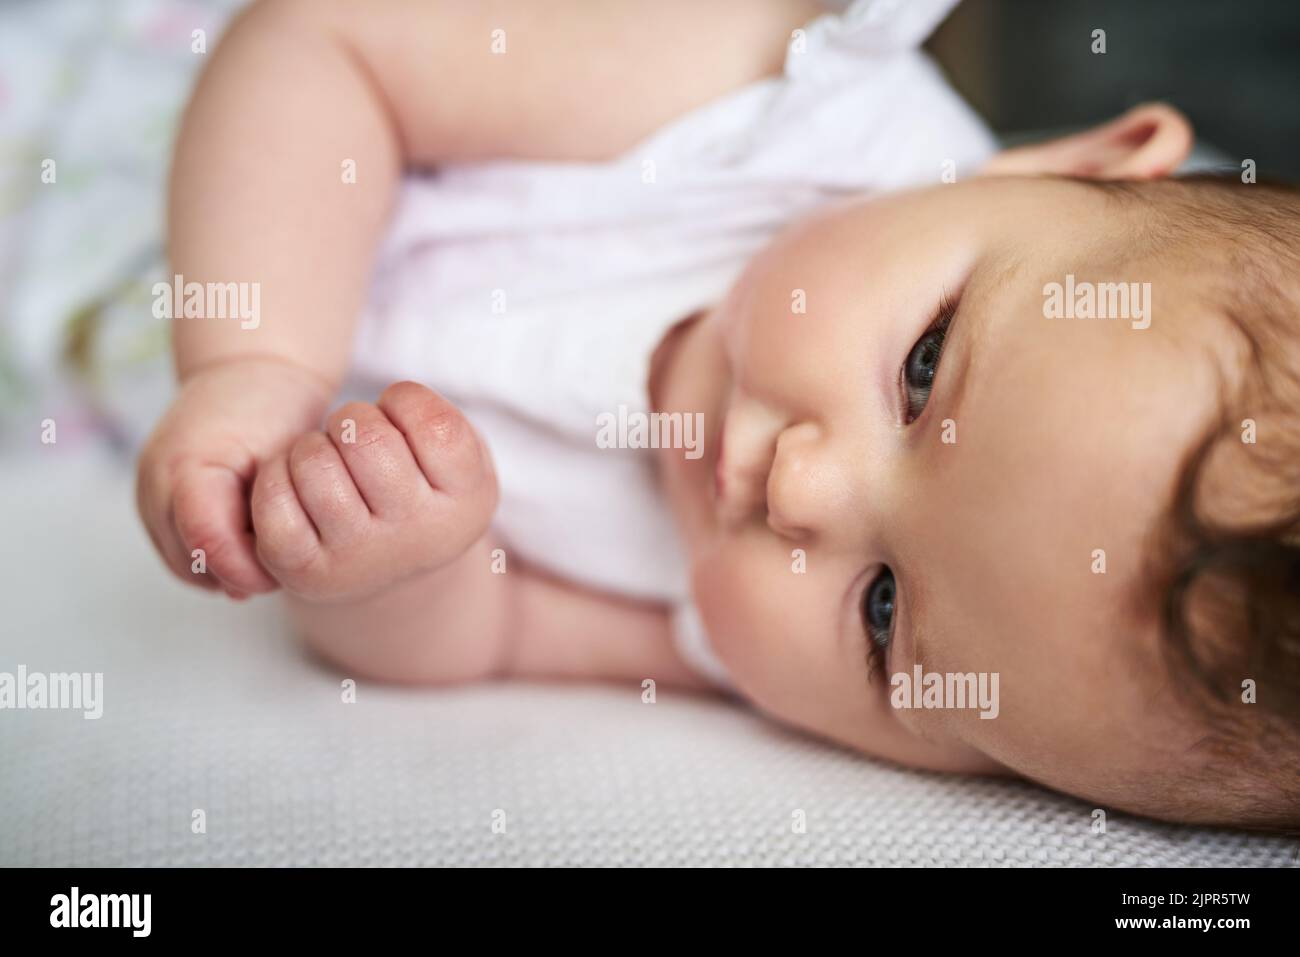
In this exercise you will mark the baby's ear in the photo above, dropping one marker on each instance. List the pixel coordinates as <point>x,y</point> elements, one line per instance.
<point>1147,142</point>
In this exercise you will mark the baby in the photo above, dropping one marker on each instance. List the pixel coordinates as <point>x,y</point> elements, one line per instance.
<point>996,475</point>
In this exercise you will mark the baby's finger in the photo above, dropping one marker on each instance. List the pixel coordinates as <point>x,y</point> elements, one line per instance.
<point>378,458</point>
<point>287,541</point>
<point>211,514</point>
<point>441,438</point>
<point>153,501</point>
<point>190,567</point>
<point>326,489</point>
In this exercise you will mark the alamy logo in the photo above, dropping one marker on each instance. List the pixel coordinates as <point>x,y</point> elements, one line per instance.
<point>951,689</point>
<point>651,430</point>
<point>60,691</point>
<point>179,299</point>
<point>102,910</point>
<point>1099,300</point>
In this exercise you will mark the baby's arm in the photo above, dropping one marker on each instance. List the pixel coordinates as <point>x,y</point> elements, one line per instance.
<point>258,197</point>
<point>383,544</point>
<point>298,91</point>
<point>466,622</point>
<point>298,88</point>
<point>258,193</point>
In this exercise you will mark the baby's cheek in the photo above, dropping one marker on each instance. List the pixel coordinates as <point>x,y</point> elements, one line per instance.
<point>726,594</point>
<point>762,620</point>
<point>721,600</point>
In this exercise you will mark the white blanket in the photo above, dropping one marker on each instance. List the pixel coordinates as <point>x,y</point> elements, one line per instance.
<point>209,706</point>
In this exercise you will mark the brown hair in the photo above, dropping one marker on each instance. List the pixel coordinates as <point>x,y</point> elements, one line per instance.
<point>1227,561</point>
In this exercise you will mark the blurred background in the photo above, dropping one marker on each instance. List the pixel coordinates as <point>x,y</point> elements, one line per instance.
<point>1232,67</point>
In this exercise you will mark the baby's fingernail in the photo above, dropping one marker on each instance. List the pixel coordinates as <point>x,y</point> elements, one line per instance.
<point>236,595</point>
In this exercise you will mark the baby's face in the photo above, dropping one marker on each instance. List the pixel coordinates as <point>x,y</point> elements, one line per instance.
<point>874,497</point>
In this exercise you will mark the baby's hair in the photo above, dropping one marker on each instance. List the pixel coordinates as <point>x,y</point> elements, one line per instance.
<point>1227,560</point>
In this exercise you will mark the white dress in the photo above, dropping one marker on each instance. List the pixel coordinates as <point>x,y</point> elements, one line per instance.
<point>533,294</point>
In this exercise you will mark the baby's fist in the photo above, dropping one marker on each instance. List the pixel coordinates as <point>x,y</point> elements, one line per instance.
<point>388,491</point>
<point>195,470</point>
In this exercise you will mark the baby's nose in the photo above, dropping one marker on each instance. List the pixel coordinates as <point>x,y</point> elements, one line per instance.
<point>804,494</point>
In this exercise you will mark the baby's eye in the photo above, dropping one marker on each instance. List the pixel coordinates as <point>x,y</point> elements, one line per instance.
<point>922,363</point>
<point>919,370</point>
<point>878,610</point>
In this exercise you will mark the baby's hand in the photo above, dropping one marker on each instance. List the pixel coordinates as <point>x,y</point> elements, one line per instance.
<point>196,470</point>
<point>388,491</point>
